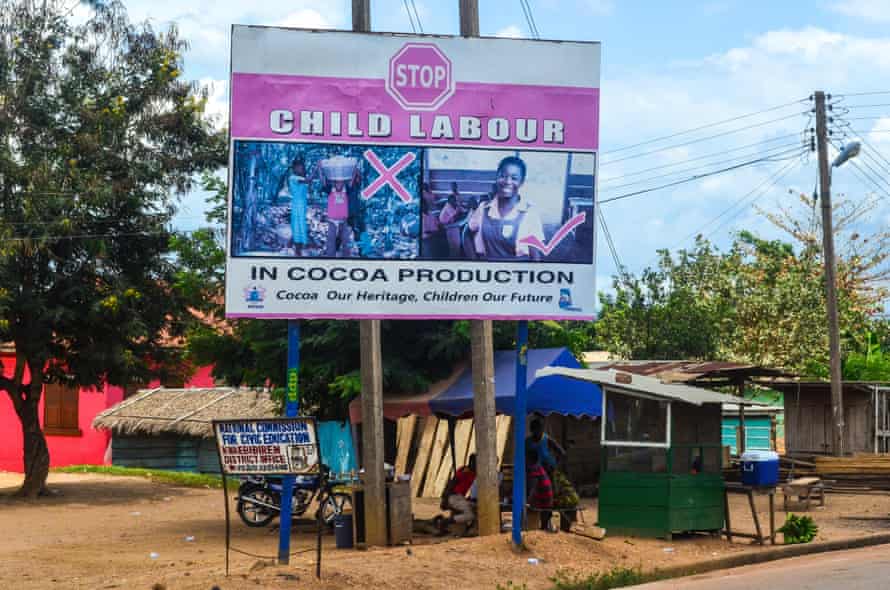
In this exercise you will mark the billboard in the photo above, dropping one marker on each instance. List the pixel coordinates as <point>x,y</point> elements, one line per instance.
<point>274,446</point>
<point>394,176</point>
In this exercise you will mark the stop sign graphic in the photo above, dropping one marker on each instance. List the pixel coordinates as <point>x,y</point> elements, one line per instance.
<point>420,77</point>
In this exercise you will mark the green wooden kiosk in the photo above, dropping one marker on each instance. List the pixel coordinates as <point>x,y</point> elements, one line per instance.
<point>661,469</point>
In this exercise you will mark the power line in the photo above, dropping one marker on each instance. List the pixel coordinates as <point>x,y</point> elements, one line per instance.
<point>530,19</point>
<point>866,179</point>
<point>777,150</point>
<point>693,178</point>
<point>864,93</point>
<point>708,138</point>
<point>619,267</point>
<point>866,162</point>
<point>782,173</point>
<point>709,125</point>
<point>866,106</point>
<point>417,16</point>
<point>704,157</point>
<point>875,151</point>
<point>410,18</point>
<point>863,175</point>
<point>741,203</point>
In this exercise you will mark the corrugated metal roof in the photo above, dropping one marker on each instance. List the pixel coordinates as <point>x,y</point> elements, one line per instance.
<point>688,371</point>
<point>649,386</point>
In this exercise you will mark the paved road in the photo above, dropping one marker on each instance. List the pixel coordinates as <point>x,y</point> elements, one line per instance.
<point>856,569</point>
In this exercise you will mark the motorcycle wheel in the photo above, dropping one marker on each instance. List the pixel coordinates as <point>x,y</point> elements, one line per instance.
<point>333,506</point>
<point>253,514</point>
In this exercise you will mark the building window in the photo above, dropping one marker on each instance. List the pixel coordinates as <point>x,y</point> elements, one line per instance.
<point>60,410</point>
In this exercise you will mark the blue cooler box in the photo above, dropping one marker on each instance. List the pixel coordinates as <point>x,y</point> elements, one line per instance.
<point>760,468</point>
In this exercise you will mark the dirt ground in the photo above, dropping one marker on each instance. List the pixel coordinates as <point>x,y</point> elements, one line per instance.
<point>117,532</point>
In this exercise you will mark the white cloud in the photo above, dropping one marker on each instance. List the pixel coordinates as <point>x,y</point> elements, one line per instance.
<point>217,100</point>
<point>206,24</point>
<point>511,31</point>
<point>873,10</point>
<point>306,18</point>
<point>880,133</point>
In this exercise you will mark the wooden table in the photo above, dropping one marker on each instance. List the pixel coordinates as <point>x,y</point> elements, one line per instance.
<point>738,488</point>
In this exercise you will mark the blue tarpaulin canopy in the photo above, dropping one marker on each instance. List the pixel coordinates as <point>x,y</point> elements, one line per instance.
<point>546,395</point>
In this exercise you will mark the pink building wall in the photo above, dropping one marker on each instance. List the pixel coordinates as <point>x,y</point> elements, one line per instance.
<point>91,446</point>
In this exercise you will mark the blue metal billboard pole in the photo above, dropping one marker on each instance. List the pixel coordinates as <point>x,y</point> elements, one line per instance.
<point>291,408</point>
<point>519,411</point>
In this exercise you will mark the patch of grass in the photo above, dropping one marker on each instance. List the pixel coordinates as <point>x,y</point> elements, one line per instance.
<point>179,478</point>
<point>618,577</point>
<point>511,586</point>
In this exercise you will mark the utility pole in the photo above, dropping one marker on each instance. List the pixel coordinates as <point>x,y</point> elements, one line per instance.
<point>374,480</point>
<point>482,350</point>
<point>834,344</point>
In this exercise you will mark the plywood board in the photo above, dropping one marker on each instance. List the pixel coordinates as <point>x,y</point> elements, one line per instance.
<point>423,455</point>
<point>444,474</point>
<point>471,447</point>
<point>404,436</point>
<point>462,433</point>
<point>502,424</point>
<point>437,454</point>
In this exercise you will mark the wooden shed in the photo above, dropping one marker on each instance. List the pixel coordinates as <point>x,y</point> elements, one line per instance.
<point>172,428</point>
<point>808,416</point>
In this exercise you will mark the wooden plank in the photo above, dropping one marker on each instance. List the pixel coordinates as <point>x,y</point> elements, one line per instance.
<point>444,474</point>
<point>404,436</point>
<point>421,462</point>
<point>461,441</point>
<point>503,434</point>
<point>437,459</point>
<point>471,447</point>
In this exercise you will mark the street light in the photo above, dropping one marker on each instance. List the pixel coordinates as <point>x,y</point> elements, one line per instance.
<point>848,152</point>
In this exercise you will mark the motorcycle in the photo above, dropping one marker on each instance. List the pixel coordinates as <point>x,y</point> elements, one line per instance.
<point>259,498</point>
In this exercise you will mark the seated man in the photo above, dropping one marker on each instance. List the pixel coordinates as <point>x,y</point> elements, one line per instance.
<point>454,497</point>
<point>539,488</point>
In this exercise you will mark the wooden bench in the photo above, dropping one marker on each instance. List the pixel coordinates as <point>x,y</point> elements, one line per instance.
<point>806,489</point>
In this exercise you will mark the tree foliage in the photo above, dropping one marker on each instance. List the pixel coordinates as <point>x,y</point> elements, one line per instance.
<point>98,132</point>
<point>761,302</point>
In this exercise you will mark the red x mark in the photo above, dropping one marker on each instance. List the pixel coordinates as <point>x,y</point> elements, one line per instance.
<point>387,175</point>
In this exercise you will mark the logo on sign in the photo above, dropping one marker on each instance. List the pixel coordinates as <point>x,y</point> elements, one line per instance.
<point>420,77</point>
<point>254,296</point>
<point>565,300</point>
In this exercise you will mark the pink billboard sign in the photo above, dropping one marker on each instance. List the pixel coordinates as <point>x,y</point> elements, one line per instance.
<point>397,176</point>
<point>364,111</point>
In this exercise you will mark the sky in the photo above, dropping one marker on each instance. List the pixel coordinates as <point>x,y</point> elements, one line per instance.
<point>667,67</point>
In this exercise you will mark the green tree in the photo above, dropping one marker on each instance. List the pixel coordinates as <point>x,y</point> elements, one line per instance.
<point>760,302</point>
<point>98,132</point>
<point>675,311</point>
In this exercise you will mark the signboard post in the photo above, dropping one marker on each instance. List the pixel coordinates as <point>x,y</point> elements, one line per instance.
<point>291,409</point>
<point>263,447</point>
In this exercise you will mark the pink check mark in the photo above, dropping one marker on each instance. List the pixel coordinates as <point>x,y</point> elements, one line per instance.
<point>559,236</point>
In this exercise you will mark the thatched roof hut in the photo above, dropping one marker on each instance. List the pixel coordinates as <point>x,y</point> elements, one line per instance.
<point>178,412</point>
